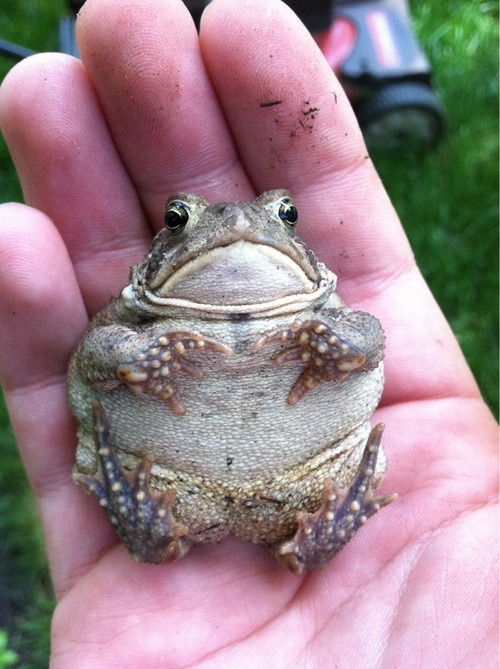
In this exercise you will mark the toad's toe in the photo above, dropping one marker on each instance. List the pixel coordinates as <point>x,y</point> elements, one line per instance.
<point>142,517</point>
<point>320,535</point>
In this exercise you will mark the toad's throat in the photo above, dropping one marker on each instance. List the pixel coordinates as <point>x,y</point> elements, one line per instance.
<point>243,276</point>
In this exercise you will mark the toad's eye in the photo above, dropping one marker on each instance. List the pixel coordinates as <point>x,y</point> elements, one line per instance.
<point>288,212</point>
<point>176,216</point>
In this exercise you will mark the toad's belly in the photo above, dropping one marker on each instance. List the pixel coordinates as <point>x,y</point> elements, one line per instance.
<point>238,426</point>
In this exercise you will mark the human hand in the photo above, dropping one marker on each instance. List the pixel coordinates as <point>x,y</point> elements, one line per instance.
<point>98,148</point>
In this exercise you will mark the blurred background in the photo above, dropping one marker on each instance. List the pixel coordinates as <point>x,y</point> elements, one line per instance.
<point>436,149</point>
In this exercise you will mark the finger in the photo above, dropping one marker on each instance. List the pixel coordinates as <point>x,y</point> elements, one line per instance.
<point>69,168</point>
<point>37,288</point>
<point>294,128</point>
<point>144,61</point>
<point>41,316</point>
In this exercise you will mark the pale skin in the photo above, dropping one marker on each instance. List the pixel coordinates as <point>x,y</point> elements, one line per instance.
<point>98,147</point>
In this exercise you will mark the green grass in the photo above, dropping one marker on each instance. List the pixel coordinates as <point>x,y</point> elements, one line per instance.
<point>26,600</point>
<point>447,200</point>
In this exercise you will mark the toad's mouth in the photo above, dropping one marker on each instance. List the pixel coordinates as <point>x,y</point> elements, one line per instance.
<point>242,277</point>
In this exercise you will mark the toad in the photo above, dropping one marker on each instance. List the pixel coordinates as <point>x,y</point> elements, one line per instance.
<point>229,390</point>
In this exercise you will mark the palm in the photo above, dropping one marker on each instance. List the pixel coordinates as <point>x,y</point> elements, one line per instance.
<point>156,123</point>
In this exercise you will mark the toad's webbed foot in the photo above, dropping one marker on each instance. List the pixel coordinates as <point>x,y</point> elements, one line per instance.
<point>332,347</point>
<point>142,518</point>
<point>320,535</point>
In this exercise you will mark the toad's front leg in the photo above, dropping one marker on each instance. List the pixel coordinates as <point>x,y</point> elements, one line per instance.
<point>320,535</point>
<point>332,345</point>
<point>146,362</point>
<point>142,518</point>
